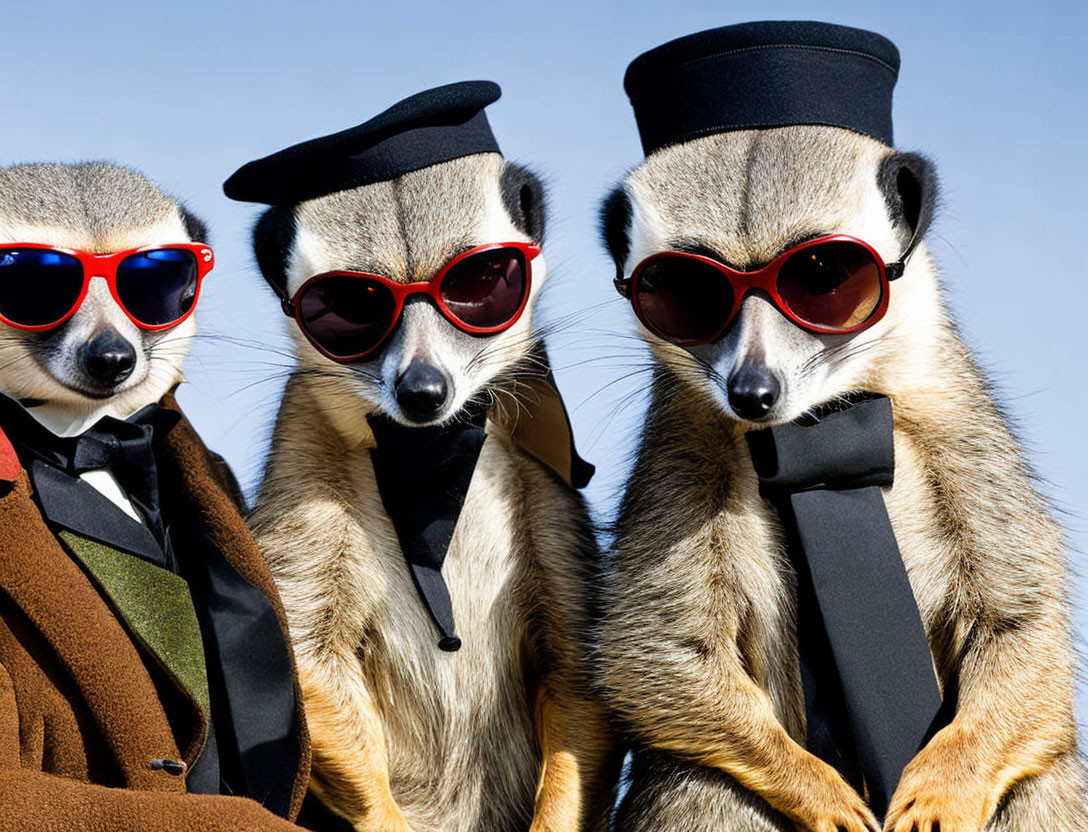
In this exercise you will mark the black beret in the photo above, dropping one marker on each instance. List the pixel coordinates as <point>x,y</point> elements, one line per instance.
<point>430,127</point>
<point>763,74</point>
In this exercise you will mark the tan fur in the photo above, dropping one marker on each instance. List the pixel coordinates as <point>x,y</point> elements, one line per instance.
<point>578,761</point>
<point>698,650</point>
<point>340,779</point>
<point>406,736</point>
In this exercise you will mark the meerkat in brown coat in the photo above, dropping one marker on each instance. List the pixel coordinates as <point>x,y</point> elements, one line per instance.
<point>502,734</point>
<point>698,646</point>
<point>123,702</point>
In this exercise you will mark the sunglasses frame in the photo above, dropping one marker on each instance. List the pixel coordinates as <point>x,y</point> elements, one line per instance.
<point>766,278</point>
<point>402,291</point>
<point>105,266</point>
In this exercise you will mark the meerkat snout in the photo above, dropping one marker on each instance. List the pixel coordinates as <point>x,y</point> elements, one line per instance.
<point>422,391</point>
<point>108,358</point>
<point>753,391</point>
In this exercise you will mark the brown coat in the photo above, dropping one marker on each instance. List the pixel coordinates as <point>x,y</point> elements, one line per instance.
<point>80,715</point>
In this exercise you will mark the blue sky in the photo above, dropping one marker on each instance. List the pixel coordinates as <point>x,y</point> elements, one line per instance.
<point>994,92</point>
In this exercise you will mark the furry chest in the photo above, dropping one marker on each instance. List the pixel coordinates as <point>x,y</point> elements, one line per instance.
<point>457,725</point>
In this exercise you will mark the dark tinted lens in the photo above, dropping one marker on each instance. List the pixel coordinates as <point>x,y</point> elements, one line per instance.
<point>158,287</point>
<point>831,285</point>
<point>683,300</point>
<point>486,289</point>
<point>38,286</point>
<point>347,316</point>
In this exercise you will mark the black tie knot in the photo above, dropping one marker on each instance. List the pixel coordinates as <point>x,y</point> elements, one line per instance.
<point>93,452</point>
<point>127,449</point>
<point>112,443</point>
<point>846,448</point>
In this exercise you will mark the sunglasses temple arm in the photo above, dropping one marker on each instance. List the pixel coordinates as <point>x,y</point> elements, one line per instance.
<point>623,286</point>
<point>895,270</point>
<point>287,307</point>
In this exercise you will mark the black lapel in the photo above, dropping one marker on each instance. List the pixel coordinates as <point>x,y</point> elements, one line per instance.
<point>72,504</point>
<point>248,661</point>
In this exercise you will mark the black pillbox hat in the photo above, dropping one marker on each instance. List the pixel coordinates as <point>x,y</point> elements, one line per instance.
<point>425,129</point>
<point>763,74</point>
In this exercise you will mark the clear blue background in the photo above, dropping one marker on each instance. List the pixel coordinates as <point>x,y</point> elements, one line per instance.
<point>994,92</point>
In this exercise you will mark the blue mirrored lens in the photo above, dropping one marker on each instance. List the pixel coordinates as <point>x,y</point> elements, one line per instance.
<point>38,287</point>
<point>158,287</point>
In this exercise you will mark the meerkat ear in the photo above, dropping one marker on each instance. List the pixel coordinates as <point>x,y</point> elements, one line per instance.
<point>910,187</point>
<point>194,226</point>
<point>524,199</point>
<point>614,225</point>
<point>273,239</point>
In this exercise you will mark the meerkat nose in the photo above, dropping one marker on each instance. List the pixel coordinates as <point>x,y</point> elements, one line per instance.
<point>753,391</point>
<point>421,391</point>
<point>108,358</point>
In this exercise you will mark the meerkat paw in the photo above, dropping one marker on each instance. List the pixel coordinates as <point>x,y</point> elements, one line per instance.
<point>833,807</point>
<point>850,816</point>
<point>936,809</point>
<point>940,792</point>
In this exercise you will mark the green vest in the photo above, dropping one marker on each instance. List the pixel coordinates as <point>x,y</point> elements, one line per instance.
<point>155,606</point>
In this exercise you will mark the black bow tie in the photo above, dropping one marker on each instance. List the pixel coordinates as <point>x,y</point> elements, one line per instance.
<point>870,690</point>
<point>127,449</point>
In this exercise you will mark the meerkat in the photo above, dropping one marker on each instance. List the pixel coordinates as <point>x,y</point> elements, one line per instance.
<point>697,649</point>
<point>136,614</point>
<point>501,734</point>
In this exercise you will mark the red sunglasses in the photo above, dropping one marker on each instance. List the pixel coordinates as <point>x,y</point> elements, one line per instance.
<point>157,287</point>
<point>349,315</point>
<point>833,284</point>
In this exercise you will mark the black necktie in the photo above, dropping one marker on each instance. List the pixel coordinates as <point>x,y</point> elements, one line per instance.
<point>824,476</point>
<point>126,448</point>
<point>423,475</point>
